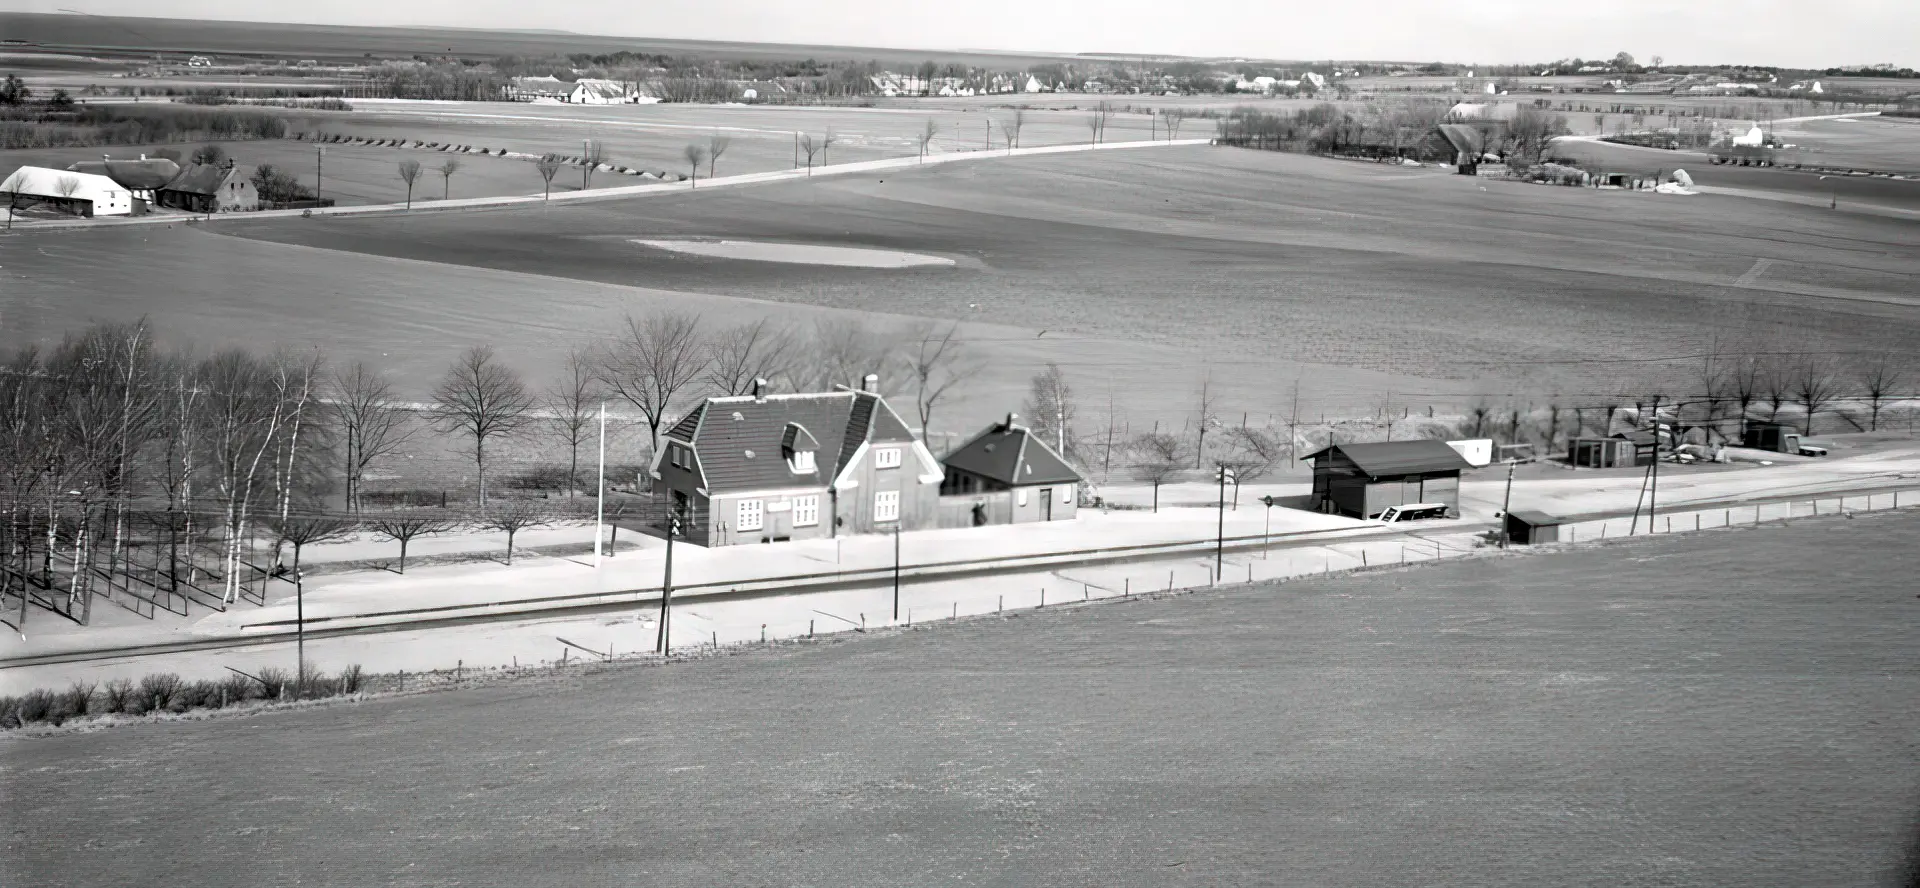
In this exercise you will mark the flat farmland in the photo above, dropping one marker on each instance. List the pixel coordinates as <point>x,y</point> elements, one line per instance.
<point>1708,709</point>
<point>353,175</point>
<point>1141,272</point>
<point>1250,262</point>
<point>762,136</point>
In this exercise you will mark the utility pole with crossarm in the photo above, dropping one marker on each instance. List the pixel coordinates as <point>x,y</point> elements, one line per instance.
<point>666,587</point>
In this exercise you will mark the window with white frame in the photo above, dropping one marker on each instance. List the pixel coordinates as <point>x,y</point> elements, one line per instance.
<point>1020,496</point>
<point>886,458</point>
<point>886,505</point>
<point>802,462</point>
<point>806,511</point>
<point>750,515</point>
<point>1066,493</point>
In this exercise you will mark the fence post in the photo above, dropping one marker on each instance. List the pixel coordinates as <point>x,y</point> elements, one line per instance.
<point>1086,592</point>
<point>1043,596</point>
<point>1127,590</point>
<point>1249,571</point>
<point>1169,581</point>
<point>1696,521</point>
<point>1000,604</point>
<point>809,628</point>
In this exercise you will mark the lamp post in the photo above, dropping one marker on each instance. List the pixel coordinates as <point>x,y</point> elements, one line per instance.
<point>666,587</point>
<point>1266,536</point>
<point>896,570</point>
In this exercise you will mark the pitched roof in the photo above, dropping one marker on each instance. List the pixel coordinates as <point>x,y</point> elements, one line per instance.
<point>1464,139</point>
<point>1011,454</point>
<point>144,174</point>
<point>201,178</point>
<point>724,431</point>
<point>1382,458</point>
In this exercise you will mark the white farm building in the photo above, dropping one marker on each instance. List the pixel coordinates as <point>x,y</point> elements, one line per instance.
<point>82,194</point>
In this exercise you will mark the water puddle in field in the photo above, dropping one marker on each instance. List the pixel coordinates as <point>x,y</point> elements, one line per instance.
<point>798,254</point>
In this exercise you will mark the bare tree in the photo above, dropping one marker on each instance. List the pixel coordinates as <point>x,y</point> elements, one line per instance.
<point>404,527</point>
<point>1533,131</point>
<point>695,153</point>
<point>1010,127</point>
<point>371,421</point>
<point>589,162</point>
<point>938,362</point>
<point>1158,458</point>
<point>1173,118</point>
<point>14,182</point>
<point>653,363</point>
<point>1880,378</point>
<point>926,138</point>
<point>843,351</point>
<point>573,403</point>
<point>1097,120</point>
<point>716,146</point>
<point>741,354</point>
<point>1053,408</point>
<point>301,531</point>
<point>67,187</point>
<point>826,143</point>
<point>1206,403</point>
<point>1776,383</point>
<point>809,148</point>
<point>483,400</point>
<point>409,173</point>
<point>548,168</point>
<point>446,177</point>
<point>1251,454</point>
<point>1816,384</point>
<point>512,517</point>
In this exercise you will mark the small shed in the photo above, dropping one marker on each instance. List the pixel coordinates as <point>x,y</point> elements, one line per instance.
<point>1602,453</point>
<point>1363,480</point>
<point>1529,528</point>
<point>1006,475</point>
<point>1778,437</point>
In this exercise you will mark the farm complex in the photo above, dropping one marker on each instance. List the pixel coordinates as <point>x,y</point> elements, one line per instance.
<point>1513,458</point>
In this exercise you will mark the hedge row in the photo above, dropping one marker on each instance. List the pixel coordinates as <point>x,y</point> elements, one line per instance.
<point>167,692</point>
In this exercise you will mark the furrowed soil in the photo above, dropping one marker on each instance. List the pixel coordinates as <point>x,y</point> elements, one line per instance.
<point>1139,272</point>
<point>1712,709</point>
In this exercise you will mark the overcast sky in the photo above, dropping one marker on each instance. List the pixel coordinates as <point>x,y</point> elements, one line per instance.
<point>1777,32</point>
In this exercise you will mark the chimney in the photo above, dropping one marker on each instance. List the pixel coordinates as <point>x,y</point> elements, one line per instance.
<point>872,383</point>
<point>1010,420</point>
<point>759,389</point>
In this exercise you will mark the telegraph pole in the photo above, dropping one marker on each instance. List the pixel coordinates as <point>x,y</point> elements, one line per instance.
<point>1653,494</point>
<point>666,588</point>
<point>896,570</point>
<point>319,151</point>
<point>600,494</point>
<point>1220,537</point>
<point>1506,506</point>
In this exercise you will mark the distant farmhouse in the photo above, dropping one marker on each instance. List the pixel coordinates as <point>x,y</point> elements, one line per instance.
<point>81,194</point>
<point>209,188</point>
<point>585,91</point>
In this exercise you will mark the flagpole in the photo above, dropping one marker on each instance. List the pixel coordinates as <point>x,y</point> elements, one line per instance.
<point>600,493</point>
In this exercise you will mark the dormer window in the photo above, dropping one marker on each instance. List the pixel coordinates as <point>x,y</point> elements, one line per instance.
<point>798,447</point>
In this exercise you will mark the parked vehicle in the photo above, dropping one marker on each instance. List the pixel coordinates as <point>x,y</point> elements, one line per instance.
<point>1812,450</point>
<point>1415,512</point>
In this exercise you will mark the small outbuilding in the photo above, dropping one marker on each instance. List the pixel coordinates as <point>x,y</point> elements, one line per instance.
<point>1602,453</point>
<point>1363,480</point>
<point>1530,528</point>
<point>1778,437</point>
<point>1006,475</point>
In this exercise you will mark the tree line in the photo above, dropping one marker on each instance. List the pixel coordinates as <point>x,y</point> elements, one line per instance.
<point>154,477</point>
